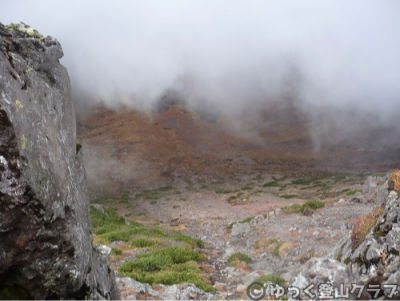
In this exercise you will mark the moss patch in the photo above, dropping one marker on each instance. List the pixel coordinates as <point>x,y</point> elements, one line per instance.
<point>167,266</point>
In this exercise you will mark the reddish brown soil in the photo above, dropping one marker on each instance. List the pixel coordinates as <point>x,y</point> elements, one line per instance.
<point>125,149</point>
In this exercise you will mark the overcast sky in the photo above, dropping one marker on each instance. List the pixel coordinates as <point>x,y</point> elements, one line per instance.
<point>339,53</point>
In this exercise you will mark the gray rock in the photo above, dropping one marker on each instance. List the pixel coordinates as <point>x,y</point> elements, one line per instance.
<point>247,279</point>
<point>318,271</point>
<point>372,184</point>
<point>381,194</point>
<point>240,230</point>
<point>186,291</point>
<point>378,254</point>
<point>375,259</point>
<point>131,288</point>
<point>258,220</point>
<point>45,229</point>
<point>229,251</point>
<point>221,286</point>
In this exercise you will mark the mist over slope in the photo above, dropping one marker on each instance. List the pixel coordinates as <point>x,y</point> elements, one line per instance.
<point>336,62</point>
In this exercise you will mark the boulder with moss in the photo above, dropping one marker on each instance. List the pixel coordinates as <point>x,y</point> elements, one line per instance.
<point>46,249</point>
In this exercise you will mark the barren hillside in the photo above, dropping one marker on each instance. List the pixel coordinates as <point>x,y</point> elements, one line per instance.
<point>128,148</point>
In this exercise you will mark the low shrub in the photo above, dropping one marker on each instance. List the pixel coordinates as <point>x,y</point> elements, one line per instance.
<point>239,256</point>
<point>306,208</point>
<point>363,226</point>
<point>115,251</point>
<point>142,243</point>
<point>271,184</point>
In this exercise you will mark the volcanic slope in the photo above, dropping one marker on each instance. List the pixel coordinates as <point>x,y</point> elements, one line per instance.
<point>126,148</point>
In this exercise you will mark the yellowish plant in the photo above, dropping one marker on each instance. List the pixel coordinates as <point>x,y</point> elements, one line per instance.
<point>363,226</point>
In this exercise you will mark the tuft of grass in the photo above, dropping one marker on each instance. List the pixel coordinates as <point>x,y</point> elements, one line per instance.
<point>275,251</point>
<point>309,206</point>
<point>348,192</point>
<point>142,243</point>
<point>223,191</point>
<point>275,279</point>
<point>107,221</point>
<point>115,251</point>
<point>314,204</point>
<point>247,187</point>
<point>234,197</point>
<point>271,184</point>
<point>239,256</point>
<point>127,233</point>
<point>155,262</point>
<point>170,277</point>
<point>109,227</point>
<point>167,266</point>
<point>363,226</point>
<point>263,242</point>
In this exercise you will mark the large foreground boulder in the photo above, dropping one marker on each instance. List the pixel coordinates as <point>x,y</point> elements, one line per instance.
<point>46,248</point>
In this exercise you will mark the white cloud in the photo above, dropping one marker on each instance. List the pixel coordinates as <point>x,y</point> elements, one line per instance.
<point>231,52</point>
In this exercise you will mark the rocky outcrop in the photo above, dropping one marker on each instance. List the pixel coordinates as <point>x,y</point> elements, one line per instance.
<point>46,248</point>
<point>134,290</point>
<point>368,256</point>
